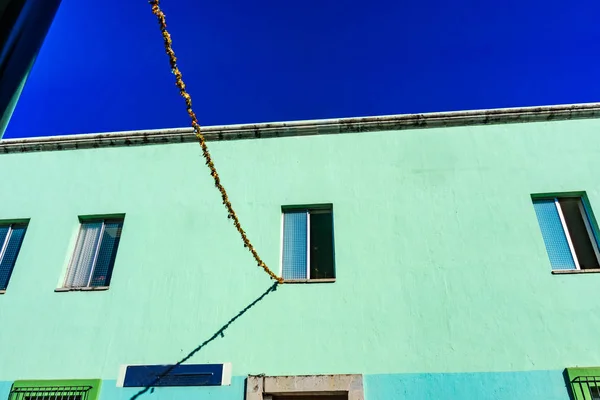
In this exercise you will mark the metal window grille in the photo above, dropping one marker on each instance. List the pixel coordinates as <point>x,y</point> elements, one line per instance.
<point>50,393</point>
<point>94,256</point>
<point>586,387</point>
<point>11,237</point>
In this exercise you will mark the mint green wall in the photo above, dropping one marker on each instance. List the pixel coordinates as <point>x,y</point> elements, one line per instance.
<point>440,263</point>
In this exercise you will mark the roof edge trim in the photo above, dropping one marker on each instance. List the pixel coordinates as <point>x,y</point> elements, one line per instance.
<point>305,128</point>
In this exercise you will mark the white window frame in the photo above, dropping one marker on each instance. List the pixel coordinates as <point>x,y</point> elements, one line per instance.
<point>586,219</point>
<point>6,240</point>
<point>308,211</point>
<point>264,387</point>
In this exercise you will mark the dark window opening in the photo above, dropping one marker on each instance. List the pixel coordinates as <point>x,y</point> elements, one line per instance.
<point>321,244</point>
<point>579,231</point>
<point>312,397</point>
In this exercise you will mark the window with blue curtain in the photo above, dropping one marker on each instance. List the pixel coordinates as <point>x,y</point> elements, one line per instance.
<point>11,237</point>
<point>568,232</point>
<point>95,252</point>
<point>307,251</point>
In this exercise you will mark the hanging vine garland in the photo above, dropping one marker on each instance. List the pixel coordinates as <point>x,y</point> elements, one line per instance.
<point>168,43</point>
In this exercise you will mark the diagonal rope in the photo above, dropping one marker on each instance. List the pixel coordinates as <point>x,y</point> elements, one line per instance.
<point>160,15</point>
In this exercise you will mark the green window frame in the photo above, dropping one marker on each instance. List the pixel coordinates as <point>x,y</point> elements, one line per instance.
<point>70,389</point>
<point>584,383</point>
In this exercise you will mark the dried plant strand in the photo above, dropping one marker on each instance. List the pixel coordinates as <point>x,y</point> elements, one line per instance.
<point>168,43</point>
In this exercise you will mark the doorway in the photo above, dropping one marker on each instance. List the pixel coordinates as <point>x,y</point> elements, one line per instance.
<point>312,397</point>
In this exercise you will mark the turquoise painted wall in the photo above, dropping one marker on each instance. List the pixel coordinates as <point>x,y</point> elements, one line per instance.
<point>463,386</point>
<point>547,385</point>
<point>441,267</point>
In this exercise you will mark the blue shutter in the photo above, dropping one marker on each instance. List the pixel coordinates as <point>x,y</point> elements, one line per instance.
<point>7,262</point>
<point>294,244</point>
<point>553,234</point>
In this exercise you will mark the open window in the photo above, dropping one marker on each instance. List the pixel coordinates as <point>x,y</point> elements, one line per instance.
<point>11,238</point>
<point>568,230</point>
<point>307,243</point>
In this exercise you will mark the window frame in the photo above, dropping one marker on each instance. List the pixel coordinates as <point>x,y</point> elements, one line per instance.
<point>264,387</point>
<point>580,380</point>
<point>3,246</point>
<point>104,219</point>
<point>589,222</point>
<point>18,390</point>
<point>326,208</point>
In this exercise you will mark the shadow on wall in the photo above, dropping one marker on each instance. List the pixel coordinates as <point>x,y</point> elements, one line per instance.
<point>568,384</point>
<point>218,333</point>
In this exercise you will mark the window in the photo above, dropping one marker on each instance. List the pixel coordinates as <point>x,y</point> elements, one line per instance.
<point>307,248</point>
<point>584,383</point>
<point>79,389</point>
<point>95,251</point>
<point>50,393</point>
<point>11,237</point>
<point>568,232</point>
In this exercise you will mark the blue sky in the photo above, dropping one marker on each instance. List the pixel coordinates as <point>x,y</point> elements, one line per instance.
<point>104,69</point>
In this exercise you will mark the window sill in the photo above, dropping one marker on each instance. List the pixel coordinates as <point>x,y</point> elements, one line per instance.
<point>2,291</point>
<point>326,280</point>
<point>576,271</point>
<point>82,289</point>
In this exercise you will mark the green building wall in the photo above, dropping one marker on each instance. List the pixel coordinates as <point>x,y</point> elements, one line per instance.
<point>443,286</point>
